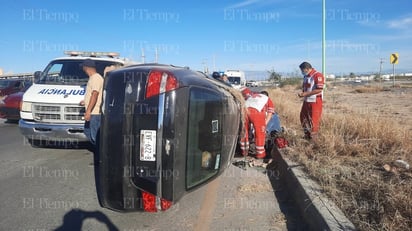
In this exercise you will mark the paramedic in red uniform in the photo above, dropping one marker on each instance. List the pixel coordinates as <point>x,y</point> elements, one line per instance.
<point>260,109</point>
<point>312,94</point>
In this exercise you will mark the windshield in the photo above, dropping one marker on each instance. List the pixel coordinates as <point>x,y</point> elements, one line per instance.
<point>69,72</point>
<point>234,80</point>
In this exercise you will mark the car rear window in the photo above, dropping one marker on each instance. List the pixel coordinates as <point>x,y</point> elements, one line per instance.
<point>204,136</point>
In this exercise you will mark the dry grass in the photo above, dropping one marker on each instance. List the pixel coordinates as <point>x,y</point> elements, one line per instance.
<point>368,89</point>
<point>349,161</point>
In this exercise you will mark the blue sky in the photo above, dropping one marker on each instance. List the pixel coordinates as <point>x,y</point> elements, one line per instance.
<point>257,35</point>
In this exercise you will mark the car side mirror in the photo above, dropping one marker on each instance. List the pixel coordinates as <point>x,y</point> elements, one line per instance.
<point>37,75</point>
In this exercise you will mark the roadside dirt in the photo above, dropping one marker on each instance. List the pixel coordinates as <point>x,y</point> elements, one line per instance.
<point>390,103</point>
<point>366,132</point>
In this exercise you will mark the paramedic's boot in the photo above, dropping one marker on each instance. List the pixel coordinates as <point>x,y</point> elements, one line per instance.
<point>260,155</point>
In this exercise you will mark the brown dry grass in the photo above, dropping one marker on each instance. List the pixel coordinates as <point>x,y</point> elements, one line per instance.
<point>354,146</point>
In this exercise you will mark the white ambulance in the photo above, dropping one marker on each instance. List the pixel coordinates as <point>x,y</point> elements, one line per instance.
<point>51,113</point>
<point>236,78</point>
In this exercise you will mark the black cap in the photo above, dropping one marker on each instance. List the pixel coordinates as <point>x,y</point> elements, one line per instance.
<point>88,63</point>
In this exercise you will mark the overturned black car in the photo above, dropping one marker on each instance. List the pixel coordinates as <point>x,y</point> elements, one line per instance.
<point>165,131</point>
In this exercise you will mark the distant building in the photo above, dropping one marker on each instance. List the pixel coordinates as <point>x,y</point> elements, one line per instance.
<point>386,77</point>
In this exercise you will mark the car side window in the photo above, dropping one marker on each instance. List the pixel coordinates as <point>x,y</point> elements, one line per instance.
<point>204,136</point>
<point>18,85</point>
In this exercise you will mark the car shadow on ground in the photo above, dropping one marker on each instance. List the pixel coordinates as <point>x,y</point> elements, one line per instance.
<point>11,121</point>
<point>60,144</point>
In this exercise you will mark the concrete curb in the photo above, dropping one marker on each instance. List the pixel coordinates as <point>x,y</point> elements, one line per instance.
<point>317,210</point>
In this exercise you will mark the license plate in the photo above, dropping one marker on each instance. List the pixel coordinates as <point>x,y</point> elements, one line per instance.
<point>148,145</point>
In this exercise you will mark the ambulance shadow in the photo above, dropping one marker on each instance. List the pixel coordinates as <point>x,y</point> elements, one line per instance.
<point>73,220</point>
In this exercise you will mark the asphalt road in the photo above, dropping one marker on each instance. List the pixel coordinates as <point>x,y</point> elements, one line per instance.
<point>54,189</point>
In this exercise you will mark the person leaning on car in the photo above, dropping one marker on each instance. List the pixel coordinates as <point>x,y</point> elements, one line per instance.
<point>312,94</point>
<point>92,100</point>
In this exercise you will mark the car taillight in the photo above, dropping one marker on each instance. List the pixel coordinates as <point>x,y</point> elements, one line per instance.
<point>160,82</point>
<point>149,202</point>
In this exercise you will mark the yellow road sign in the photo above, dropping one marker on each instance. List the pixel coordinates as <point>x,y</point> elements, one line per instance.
<point>394,58</point>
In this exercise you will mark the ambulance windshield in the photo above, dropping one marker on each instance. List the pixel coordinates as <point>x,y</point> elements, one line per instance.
<point>69,72</point>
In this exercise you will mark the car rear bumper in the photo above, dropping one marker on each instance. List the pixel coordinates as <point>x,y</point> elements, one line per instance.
<point>55,132</point>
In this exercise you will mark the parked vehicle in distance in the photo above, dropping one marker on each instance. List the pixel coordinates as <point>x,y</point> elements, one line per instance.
<point>252,83</point>
<point>12,85</point>
<point>236,78</point>
<point>165,131</point>
<point>51,110</point>
<point>10,104</point>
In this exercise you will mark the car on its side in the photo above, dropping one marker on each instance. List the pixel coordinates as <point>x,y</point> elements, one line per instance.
<point>10,104</point>
<point>165,130</point>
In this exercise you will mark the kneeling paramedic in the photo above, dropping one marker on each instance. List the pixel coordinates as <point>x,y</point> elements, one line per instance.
<point>260,109</point>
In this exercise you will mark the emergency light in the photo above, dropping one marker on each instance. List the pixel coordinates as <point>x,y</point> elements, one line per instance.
<point>92,54</point>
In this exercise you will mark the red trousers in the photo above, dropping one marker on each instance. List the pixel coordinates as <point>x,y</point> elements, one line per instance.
<point>258,120</point>
<point>310,116</point>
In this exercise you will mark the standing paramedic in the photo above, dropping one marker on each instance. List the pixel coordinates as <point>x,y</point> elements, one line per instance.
<point>92,101</point>
<point>260,109</point>
<point>312,94</point>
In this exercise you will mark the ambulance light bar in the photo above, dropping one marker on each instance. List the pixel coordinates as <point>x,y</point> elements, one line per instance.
<point>91,54</point>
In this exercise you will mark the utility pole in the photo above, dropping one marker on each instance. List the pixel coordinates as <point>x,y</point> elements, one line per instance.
<point>380,71</point>
<point>205,68</point>
<point>214,62</point>
<point>156,55</point>
<point>143,57</point>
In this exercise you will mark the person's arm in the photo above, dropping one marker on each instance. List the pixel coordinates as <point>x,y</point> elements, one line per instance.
<point>270,111</point>
<point>268,117</point>
<point>92,103</point>
<point>319,81</point>
<point>309,93</point>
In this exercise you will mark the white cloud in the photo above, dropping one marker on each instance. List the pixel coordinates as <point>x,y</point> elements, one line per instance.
<point>260,3</point>
<point>401,23</point>
<point>244,3</point>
